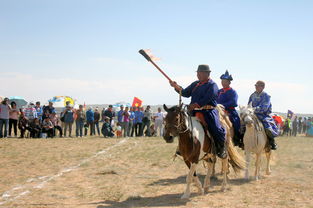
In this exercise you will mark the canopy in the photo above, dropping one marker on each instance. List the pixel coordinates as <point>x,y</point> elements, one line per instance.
<point>60,101</point>
<point>116,105</point>
<point>20,101</point>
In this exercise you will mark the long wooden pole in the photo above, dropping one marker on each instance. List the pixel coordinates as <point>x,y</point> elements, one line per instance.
<point>142,52</point>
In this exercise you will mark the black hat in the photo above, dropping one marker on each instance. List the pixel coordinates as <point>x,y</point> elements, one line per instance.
<point>203,68</point>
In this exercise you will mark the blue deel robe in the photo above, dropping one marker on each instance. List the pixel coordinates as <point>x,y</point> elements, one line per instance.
<point>263,107</point>
<point>228,98</point>
<point>206,94</point>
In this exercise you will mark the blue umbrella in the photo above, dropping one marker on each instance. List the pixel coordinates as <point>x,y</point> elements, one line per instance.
<point>20,102</point>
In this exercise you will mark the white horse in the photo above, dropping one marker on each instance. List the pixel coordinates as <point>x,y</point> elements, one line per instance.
<point>255,141</point>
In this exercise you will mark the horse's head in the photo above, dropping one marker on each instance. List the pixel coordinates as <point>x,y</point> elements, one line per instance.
<point>172,124</point>
<point>246,114</point>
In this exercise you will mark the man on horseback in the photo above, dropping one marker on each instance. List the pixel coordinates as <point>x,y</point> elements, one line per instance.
<point>228,97</point>
<point>260,100</point>
<point>203,95</point>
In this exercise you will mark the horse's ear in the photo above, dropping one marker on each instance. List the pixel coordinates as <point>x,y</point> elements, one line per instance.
<point>165,107</point>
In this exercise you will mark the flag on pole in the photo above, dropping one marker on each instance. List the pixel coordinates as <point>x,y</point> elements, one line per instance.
<point>137,102</point>
<point>152,57</point>
<point>289,114</point>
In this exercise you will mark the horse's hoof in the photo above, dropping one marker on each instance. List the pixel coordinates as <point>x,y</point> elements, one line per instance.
<point>201,191</point>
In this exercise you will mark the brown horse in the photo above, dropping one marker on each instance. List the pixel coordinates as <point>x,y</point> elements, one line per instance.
<point>195,146</point>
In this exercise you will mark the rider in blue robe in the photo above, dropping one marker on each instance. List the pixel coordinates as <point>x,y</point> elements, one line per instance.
<point>203,95</point>
<point>261,101</point>
<point>228,97</point>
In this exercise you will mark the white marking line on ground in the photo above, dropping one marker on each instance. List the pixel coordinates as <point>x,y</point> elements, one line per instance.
<point>39,182</point>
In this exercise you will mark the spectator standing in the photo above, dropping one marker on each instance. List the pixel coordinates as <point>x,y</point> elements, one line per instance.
<point>54,118</point>
<point>48,108</point>
<point>96,121</point>
<point>80,120</point>
<point>300,125</point>
<point>146,121</point>
<point>30,112</point>
<point>68,114</point>
<point>295,126</point>
<point>109,113</point>
<point>90,120</point>
<point>133,120</point>
<point>120,117</point>
<point>138,120</point>
<point>131,125</point>
<point>4,118</point>
<point>304,125</point>
<point>13,119</point>
<point>39,111</point>
<point>126,121</point>
<point>158,122</point>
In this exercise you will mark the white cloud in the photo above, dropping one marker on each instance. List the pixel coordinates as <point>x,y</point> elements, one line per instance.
<point>152,90</point>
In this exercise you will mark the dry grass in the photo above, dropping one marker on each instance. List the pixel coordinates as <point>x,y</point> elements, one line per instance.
<point>140,173</point>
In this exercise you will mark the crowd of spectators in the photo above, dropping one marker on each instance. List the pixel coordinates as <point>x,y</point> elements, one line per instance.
<point>36,121</point>
<point>298,125</point>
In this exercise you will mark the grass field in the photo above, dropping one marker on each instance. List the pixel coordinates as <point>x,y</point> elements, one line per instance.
<point>139,172</point>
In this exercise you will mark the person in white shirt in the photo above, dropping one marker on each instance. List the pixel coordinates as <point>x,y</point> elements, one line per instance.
<point>158,122</point>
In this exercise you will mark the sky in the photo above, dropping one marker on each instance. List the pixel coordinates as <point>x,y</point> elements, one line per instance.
<point>89,49</point>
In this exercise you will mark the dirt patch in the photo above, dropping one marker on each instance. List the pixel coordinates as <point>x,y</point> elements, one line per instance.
<point>141,173</point>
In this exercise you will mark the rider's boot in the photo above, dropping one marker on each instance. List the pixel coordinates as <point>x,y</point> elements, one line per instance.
<point>221,150</point>
<point>272,143</point>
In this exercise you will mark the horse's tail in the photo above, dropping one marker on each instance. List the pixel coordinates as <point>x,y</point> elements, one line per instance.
<point>235,159</point>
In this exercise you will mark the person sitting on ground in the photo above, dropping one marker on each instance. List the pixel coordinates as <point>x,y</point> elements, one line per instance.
<point>47,127</point>
<point>107,130</point>
<point>54,118</point>
<point>39,111</point>
<point>22,123</point>
<point>35,128</point>
<point>118,130</point>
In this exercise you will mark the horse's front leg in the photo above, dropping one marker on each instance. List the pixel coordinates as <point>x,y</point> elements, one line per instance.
<point>224,168</point>
<point>189,180</point>
<point>207,180</point>
<point>268,165</point>
<point>247,154</point>
<point>257,166</point>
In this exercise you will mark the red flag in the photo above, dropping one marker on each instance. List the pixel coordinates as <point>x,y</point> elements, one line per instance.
<point>137,102</point>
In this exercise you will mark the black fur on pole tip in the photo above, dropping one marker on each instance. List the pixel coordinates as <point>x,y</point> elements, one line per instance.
<point>142,52</point>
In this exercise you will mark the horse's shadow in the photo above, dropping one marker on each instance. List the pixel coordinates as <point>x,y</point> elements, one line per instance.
<point>166,200</point>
